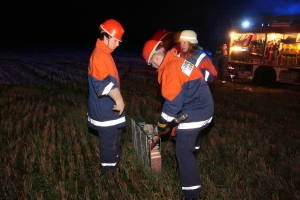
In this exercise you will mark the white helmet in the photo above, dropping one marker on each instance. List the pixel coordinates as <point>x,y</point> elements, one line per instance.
<point>188,35</point>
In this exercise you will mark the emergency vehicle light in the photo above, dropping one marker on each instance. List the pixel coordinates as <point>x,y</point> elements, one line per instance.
<point>267,21</point>
<point>245,24</point>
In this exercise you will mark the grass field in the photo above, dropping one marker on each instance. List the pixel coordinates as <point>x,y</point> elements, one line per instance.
<point>48,152</point>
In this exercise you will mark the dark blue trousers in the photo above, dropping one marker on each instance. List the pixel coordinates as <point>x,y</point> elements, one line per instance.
<point>186,141</point>
<point>110,148</point>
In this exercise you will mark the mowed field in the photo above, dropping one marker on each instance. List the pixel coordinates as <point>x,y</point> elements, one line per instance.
<point>48,152</point>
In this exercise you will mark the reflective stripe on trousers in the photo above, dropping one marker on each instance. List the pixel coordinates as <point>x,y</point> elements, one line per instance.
<point>191,187</point>
<point>110,148</point>
<point>185,149</point>
<point>109,164</point>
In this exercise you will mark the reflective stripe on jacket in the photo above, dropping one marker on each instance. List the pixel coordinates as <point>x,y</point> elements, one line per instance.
<point>203,62</point>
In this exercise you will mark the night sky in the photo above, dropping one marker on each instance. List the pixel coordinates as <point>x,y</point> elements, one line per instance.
<point>76,22</point>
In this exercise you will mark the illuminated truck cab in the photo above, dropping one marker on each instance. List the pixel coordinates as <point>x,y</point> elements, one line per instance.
<point>266,50</point>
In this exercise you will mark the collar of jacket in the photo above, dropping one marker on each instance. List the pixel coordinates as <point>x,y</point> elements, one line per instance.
<point>168,56</point>
<point>101,45</point>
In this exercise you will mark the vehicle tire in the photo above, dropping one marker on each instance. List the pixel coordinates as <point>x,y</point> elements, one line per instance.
<point>265,76</point>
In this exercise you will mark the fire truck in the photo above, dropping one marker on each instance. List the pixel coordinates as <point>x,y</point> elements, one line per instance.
<point>265,49</point>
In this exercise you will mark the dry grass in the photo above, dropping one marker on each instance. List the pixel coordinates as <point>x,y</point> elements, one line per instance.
<point>48,152</point>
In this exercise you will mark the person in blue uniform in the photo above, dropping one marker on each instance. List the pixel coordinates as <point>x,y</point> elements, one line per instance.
<point>185,92</point>
<point>105,103</point>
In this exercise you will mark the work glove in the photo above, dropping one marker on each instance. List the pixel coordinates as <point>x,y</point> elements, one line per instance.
<point>161,129</point>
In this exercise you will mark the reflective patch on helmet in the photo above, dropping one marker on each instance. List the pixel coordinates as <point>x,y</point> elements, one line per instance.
<point>187,67</point>
<point>187,37</point>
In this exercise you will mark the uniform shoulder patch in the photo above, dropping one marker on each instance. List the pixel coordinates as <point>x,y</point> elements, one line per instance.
<point>187,67</point>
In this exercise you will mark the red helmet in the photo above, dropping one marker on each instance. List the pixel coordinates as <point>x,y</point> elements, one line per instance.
<point>160,34</point>
<point>165,36</point>
<point>113,28</point>
<point>149,49</point>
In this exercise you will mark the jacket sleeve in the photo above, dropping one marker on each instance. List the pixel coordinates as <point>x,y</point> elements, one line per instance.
<point>208,65</point>
<point>207,75</point>
<point>101,79</point>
